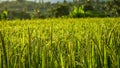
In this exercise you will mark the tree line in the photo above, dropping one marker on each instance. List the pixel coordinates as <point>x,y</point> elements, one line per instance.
<point>22,9</point>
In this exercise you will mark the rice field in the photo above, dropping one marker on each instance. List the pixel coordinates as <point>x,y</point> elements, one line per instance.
<point>60,43</point>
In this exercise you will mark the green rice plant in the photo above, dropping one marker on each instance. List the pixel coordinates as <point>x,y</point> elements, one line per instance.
<point>4,58</point>
<point>60,43</point>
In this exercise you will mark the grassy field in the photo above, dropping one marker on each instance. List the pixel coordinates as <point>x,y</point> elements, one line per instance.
<point>60,43</point>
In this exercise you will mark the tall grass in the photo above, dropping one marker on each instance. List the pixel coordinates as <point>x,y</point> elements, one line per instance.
<point>60,43</point>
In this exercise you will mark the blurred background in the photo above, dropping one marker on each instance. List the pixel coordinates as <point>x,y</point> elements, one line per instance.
<point>31,9</point>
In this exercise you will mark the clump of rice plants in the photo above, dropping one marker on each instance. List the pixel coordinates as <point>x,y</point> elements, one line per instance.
<point>60,43</point>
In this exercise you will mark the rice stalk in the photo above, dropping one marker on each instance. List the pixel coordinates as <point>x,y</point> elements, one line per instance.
<point>4,51</point>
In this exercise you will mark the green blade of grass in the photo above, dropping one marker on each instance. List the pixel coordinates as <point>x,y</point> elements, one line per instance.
<point>4,50</point>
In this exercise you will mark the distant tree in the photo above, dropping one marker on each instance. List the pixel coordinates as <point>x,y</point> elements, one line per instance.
<point>117,3</point>
<point>4,15</point>
<point>77,12</point>
<point>88,7</point>
<point>20,0</point>
<point>113,8</point>
<point>61,10</point>
<point>65,1</point>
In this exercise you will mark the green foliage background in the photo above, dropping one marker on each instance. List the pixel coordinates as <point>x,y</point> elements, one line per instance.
<point>22,9</point>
